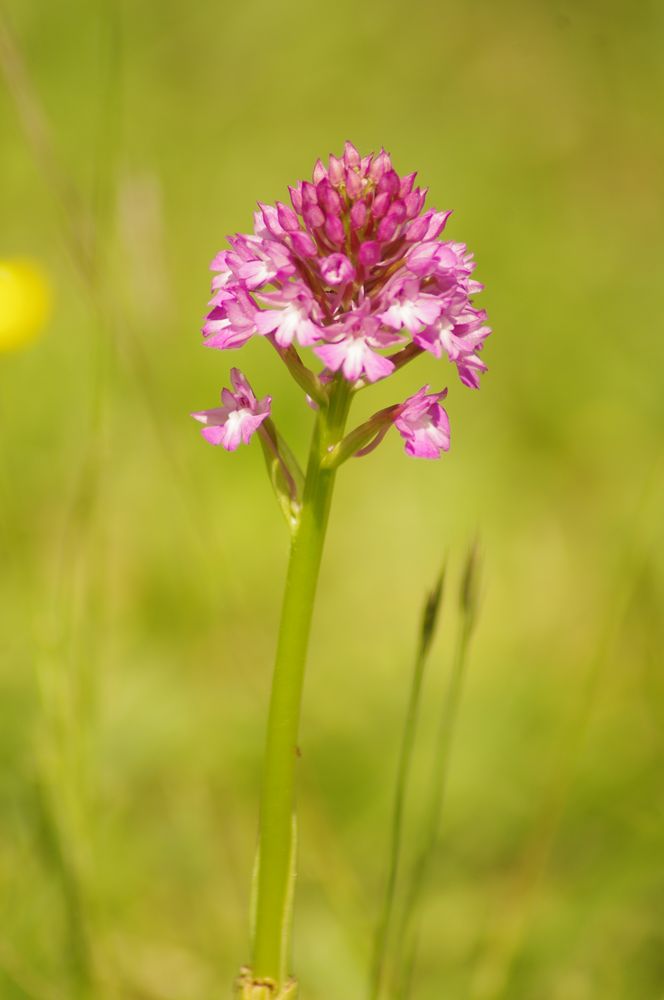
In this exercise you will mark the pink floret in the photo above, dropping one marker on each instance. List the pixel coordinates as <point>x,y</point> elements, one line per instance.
<point>238,418</point>
<point>353,347</point>
<point>424,424</point>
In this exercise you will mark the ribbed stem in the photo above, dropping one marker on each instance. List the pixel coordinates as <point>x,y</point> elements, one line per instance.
<point>276,838</point>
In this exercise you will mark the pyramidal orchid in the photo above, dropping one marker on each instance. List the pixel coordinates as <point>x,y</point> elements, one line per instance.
<point>354,268</point>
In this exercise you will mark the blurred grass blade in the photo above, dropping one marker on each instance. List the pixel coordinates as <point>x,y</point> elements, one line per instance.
<point>63,858</point>
<point>23,978</point>
<point>407,935</point>
<point>427,632</point>
<point>504,939</point>
<point>74,214</point>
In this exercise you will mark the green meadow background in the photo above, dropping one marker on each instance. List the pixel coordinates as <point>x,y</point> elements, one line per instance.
<point>142,570</point>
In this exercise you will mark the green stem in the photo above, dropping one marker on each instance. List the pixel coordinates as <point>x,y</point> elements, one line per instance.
<point>276,843</point>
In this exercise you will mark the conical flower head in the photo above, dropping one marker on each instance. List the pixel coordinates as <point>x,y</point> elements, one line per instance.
<point>353,266</point>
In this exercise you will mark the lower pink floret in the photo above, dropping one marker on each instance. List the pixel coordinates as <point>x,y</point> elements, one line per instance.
<point>424,424</point>
<point>238,418</point>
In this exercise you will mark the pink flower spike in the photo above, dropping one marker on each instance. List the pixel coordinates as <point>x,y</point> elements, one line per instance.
<point>238,418</point>
<point>424,424</point>
<point>354,262</point>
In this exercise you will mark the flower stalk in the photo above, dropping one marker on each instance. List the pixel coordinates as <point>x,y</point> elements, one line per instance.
<point>272,916</point>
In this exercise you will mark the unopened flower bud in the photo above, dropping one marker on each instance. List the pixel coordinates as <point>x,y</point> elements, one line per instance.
<point>309,193</point>
<point>380,205</point>
<point>296,198</point>
<point>303,245</point>
<point>313,216</point>
<point>351,155</point>
<point>406,185</point>
<point>334,230</point>
<point>380,166</point>
<point>287,217</point>
<point>353,184</point>
<point>358,215</point>
<point>328,199</point>
<point>369,253</point>
<point>336,170</point>
<point>319,172</point>
<point>337,269</point>
<point>389,182</point>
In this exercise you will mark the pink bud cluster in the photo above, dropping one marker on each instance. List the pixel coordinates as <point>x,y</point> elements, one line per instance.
<point>353,268</point>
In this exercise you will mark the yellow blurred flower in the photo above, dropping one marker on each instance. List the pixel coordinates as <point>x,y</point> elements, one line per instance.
<point>25,302</point>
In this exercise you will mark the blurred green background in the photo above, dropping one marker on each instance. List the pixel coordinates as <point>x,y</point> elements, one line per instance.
<point>142,570</point>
